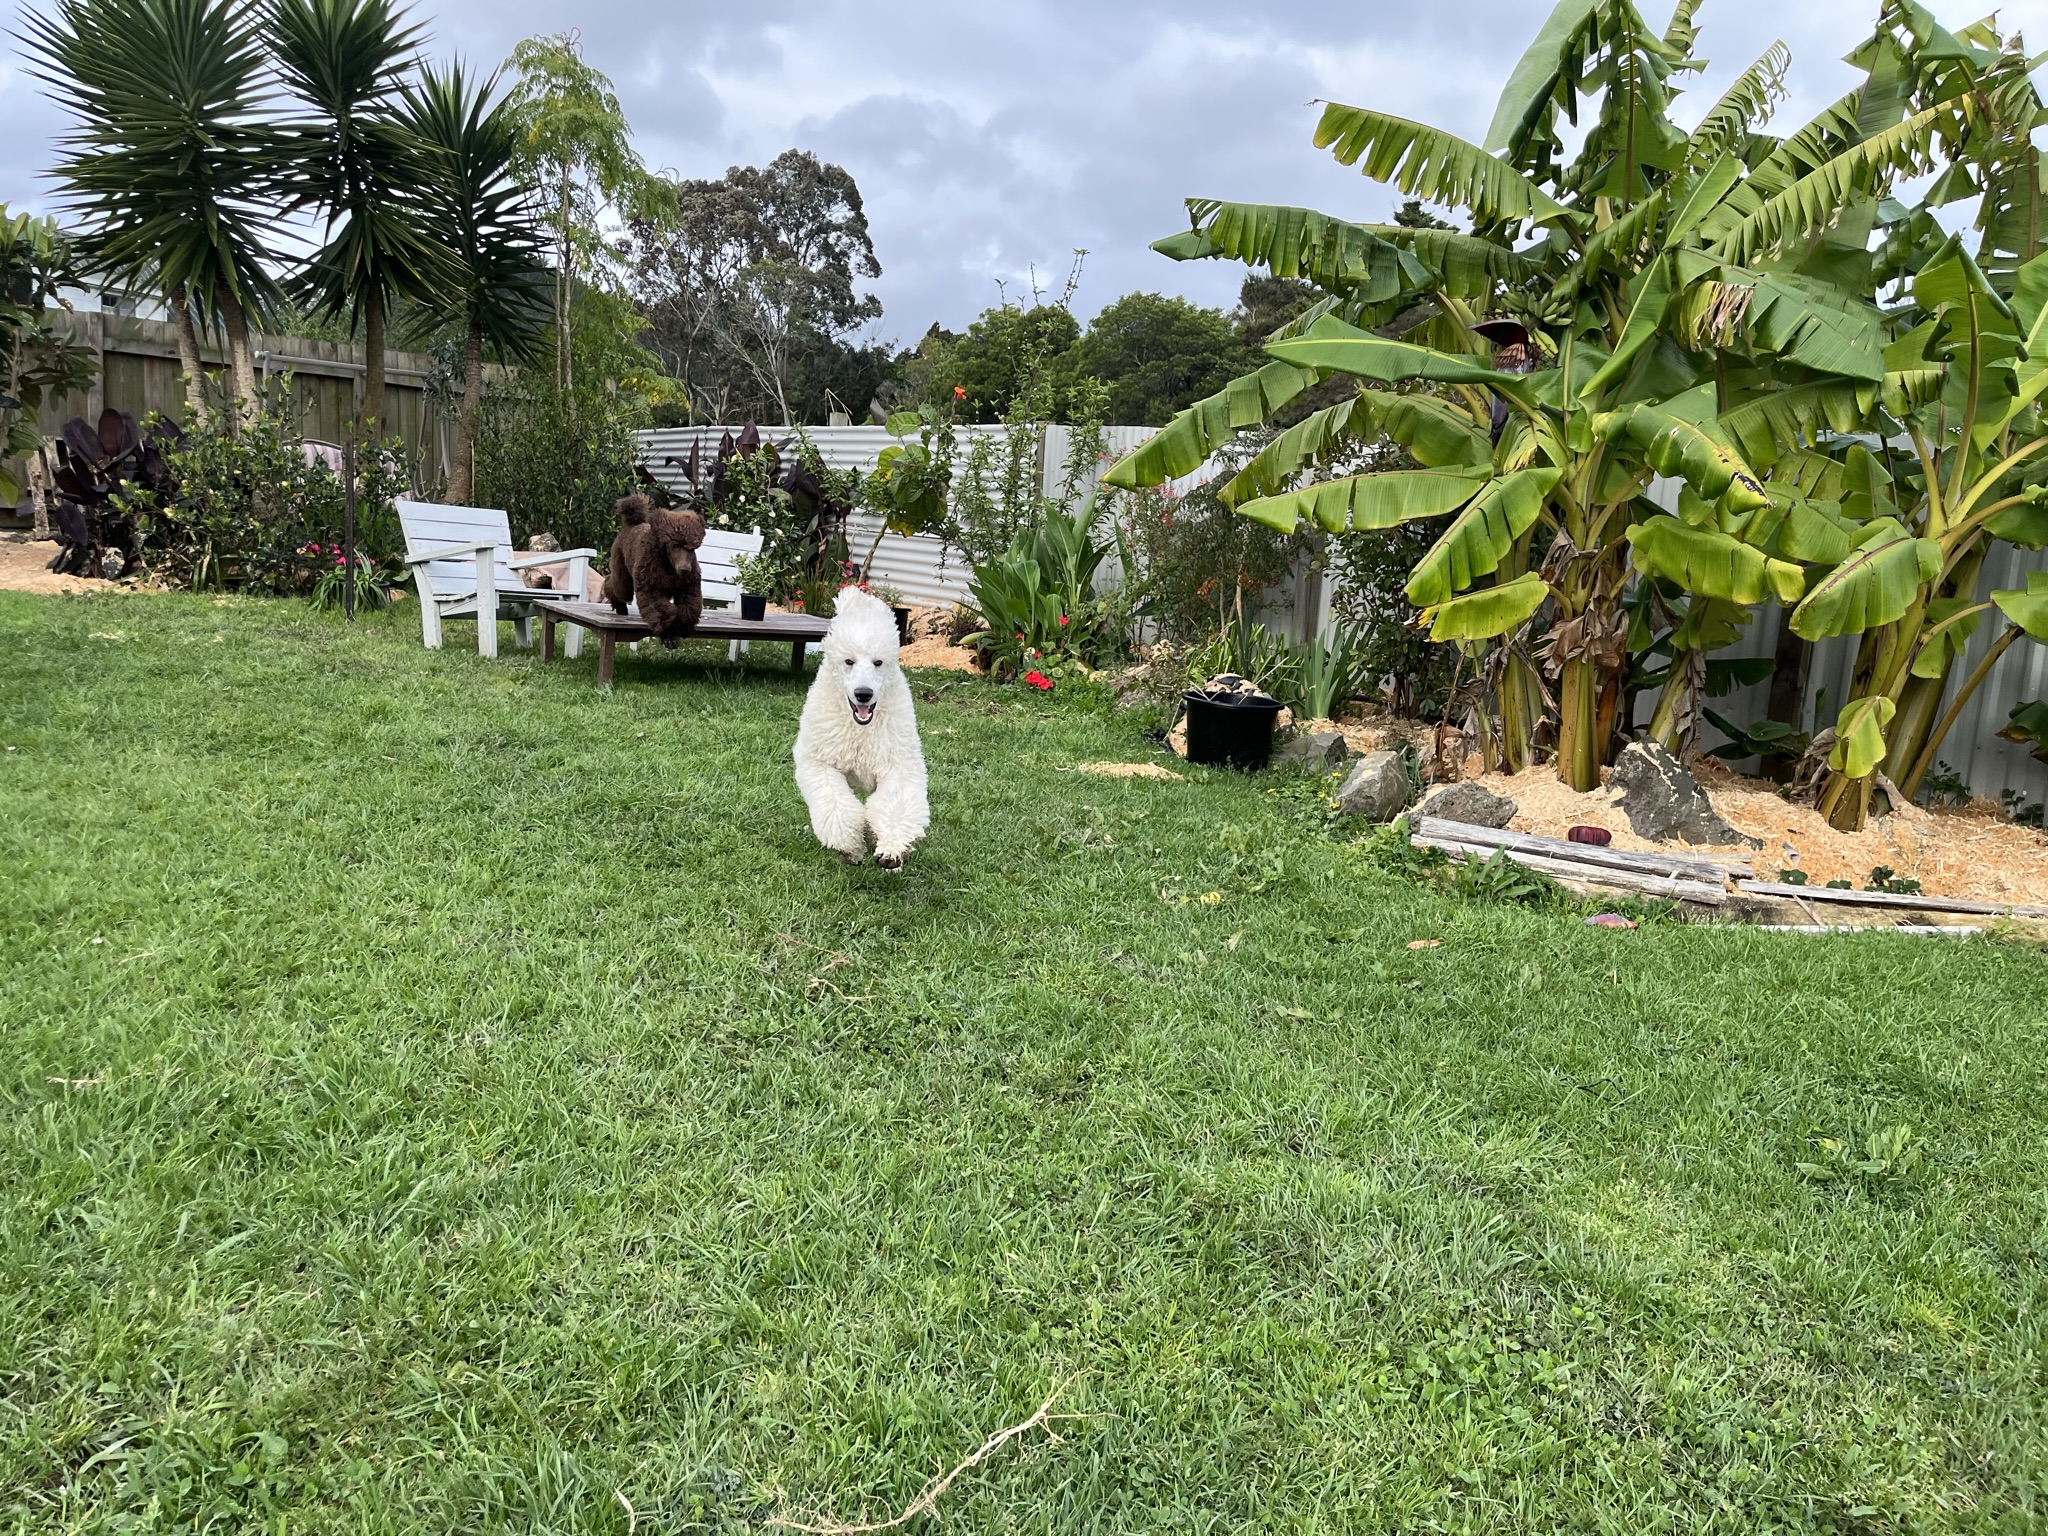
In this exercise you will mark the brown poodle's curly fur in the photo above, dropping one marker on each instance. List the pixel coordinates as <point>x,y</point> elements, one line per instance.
<point>655,557</point>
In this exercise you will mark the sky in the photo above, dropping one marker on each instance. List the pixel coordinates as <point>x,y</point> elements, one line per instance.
<point>990,141</point>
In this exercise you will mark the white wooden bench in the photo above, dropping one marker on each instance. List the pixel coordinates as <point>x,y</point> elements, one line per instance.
<point>717,559</point>
<point>463,567</point>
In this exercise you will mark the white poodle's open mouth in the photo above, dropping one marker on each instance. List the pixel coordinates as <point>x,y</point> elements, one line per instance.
<point>863,714</point>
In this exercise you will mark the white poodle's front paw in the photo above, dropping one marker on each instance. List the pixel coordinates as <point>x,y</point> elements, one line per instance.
<point>888,860</point>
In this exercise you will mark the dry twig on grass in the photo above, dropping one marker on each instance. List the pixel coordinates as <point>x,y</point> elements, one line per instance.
<point>926,1503</point>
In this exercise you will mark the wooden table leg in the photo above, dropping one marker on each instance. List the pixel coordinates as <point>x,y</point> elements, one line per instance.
<point>607,651</point>
<point>547,636</point>
<point>796,657</point>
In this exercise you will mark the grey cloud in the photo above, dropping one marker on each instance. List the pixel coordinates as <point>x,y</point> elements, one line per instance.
<point>991,139</point>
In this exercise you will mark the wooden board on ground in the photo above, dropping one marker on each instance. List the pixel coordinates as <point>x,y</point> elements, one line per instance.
<point>799,629</point>
<point>1706,870</point>
<point>1915,903</point>
<point>1669,886</point>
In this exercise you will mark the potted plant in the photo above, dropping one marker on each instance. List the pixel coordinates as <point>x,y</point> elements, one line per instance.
<point>756,578</point>
<point>897,606</point>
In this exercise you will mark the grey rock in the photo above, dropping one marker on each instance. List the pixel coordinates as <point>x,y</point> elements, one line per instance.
<point>1319,751</point>
<point>1663,802</point>
<point>1470,804</point>
<point>1376,788</point>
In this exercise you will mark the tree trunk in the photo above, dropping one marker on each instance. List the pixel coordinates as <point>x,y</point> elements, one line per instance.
<point>1787,703</point>
<point>1519,712</point>
<point>565,290</point>
<point>370,423</point>
<point>462,472</point>
<point>189,359</point>
<point>1579,748</point>
<point>241,355</point>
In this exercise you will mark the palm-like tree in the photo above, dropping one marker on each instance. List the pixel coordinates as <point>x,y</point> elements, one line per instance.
<point>170,161</point>
<point>487,230</point>
<point>357,163</point>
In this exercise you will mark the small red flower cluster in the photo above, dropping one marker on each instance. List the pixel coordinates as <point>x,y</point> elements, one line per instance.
<point>959,392</point>
<point>1039,681</point>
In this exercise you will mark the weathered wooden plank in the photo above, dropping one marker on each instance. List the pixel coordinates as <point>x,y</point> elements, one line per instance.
<point>1920,903</point>
<point>1703,869</point>
<point>1669,886</point>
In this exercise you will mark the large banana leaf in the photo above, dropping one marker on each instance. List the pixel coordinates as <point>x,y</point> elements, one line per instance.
<point>1764,428</point>
<point>1298,242</point>
<point>1859,736</point>
<point>1812,533</point>
<point>1677,447</point>
<point>1875,585</point>
<point>1547,75</point>
<point>1383,500</point>
<point>2030,307</point>
<point>1650,297</point>
<point>1465,265</point>
<point>1489,612</point>
<point>2028,608</point>
<point>1429,163</point>
<point>1818,197</point>
<point>1339,348</point>
<point>1950,623</point>
<point>1708,563</point>
<point>1749,100</point>
<point>1436,435</point>
<point>1814,324</point>
<point>1480,536</point>
<point>1186,442</point>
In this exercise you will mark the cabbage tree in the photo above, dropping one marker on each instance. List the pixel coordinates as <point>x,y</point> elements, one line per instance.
<point>1608,320</point>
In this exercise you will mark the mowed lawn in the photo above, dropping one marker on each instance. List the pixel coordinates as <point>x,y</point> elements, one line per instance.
<point>441,1097</point>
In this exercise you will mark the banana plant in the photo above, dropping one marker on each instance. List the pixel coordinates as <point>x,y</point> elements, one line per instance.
<point>1642,313</point>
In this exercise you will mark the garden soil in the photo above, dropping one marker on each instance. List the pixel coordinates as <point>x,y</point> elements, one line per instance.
<point>1972,853</point>
<point>25,567</point>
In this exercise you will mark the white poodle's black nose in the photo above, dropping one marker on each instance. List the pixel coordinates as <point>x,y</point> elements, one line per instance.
<point>863,695</point>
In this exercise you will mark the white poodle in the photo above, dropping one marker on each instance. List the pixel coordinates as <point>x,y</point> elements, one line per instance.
<point>859,736</point>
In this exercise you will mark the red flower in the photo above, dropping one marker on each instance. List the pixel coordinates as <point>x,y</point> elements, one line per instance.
<point>1039,681</point>
<point>1020,634</point>
<point>1063,621</point>
<point>959,392</point>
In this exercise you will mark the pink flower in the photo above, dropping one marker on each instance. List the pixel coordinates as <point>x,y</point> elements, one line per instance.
<point>1063,621</point>
<point>1039,681</point>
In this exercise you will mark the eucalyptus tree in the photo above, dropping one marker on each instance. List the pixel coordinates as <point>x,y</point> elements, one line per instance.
<point>169,165</point>
<point>1664,303</point>
<point>576,150</point>
<point>486,227</point>
<point>355,162</point>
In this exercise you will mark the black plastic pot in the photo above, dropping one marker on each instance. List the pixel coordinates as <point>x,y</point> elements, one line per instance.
<point>1231,729</point>
<point>753,605</point>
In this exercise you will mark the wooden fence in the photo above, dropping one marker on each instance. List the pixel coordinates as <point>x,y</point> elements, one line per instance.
<point>139,372</point>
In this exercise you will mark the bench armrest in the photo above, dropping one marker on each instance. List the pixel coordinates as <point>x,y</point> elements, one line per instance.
<point>548,557</point>
<point>448,552</point>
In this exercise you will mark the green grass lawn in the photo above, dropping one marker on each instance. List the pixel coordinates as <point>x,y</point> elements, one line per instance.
<point>442,1097</point>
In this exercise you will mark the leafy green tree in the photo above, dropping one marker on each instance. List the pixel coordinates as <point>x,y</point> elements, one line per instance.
<point>485,226</point>
<point>1009,352</point>
<point>576,151</point>
<point>357,163</point>
<point>37,362</point>
<point>171,162</point>
<point>1158,355</point>
<point>753,286</point>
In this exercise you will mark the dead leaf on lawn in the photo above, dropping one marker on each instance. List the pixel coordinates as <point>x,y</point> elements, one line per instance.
<point>1425,943</point>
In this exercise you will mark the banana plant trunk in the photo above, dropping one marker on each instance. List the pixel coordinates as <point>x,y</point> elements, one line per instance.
<point>190,361</point>
<point>1579,744</point>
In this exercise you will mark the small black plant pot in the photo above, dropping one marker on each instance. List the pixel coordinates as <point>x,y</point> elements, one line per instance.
<point>753,605</point>
<point>902,623</point>
<point>1233,730</point>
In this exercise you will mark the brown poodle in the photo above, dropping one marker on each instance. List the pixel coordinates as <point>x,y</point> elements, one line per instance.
<point>655,556</point>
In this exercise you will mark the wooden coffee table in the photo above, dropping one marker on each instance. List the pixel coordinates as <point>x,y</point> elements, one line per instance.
<point>718,624</point>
